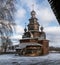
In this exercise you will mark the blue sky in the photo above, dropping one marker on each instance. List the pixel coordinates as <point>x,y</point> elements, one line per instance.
<point>45,16</point>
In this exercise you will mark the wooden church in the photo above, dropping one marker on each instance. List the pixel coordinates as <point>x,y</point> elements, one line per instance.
<point>33,42</point>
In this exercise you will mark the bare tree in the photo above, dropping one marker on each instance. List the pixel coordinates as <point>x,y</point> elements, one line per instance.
<point>6,43</point>
<point>7,9</point>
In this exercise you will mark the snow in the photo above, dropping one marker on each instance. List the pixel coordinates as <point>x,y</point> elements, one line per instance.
<point>23,45</point>
<point>12,59</point>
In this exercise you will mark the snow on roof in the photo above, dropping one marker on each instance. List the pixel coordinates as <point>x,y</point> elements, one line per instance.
<point>28,38</point>
<point>23,45</point>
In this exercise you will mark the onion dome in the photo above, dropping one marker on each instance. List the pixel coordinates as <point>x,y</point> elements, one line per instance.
<point>25,29</point>
<point>33,13</point>
<point>41,29</point>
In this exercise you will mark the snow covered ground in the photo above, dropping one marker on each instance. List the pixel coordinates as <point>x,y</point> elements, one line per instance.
<point>12,59</point>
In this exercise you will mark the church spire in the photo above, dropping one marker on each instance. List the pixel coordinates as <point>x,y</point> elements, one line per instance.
<point>33,23</point>
<point>33,13</point>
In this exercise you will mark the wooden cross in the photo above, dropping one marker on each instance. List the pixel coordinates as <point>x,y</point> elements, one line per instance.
<point>25,24</point>
<point>32,6</point>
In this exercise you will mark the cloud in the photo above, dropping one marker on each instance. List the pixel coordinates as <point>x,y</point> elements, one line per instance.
<point>19,29</point>
<point>20,13</point>
<point>19,32</point>
<point>53,30</point>
<point>45,17</point>
<point>53,35</point>
<point>28,3</point>
<point>43,10</point>
<point>17,37</point>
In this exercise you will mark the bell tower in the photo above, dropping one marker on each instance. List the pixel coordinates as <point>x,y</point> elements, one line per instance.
<point>33,24</point>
